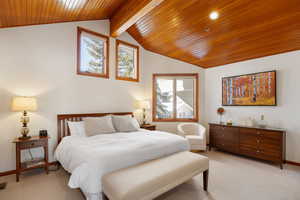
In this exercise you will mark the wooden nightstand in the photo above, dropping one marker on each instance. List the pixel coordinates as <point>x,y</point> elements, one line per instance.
<point>149,127</point>
<point>33,142</point>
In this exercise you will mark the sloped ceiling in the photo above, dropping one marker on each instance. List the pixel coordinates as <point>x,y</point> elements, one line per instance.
<point>245,29</point>
<point>181,29</point>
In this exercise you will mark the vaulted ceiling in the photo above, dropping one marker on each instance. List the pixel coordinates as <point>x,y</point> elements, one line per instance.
<point>180,29</point>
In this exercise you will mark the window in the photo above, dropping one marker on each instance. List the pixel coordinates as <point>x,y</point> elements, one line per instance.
<point>127,61</point>
<point>92,53</point>
<point>175,97</point>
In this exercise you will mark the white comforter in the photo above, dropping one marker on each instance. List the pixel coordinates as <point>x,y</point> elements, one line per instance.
<point>89,158</point>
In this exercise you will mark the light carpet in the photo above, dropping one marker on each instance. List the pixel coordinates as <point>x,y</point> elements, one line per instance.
<point>231,178</point>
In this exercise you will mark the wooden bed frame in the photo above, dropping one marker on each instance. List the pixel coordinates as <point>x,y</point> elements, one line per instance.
<point>62,120</point>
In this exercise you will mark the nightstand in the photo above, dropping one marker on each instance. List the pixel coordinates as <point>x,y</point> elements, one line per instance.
<point>33,142</point>
<point>149,127</point>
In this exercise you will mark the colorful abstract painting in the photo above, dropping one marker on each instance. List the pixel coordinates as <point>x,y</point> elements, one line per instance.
<point>257,89</point>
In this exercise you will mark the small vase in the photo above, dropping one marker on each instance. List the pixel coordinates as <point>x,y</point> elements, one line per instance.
<point>262,122</point>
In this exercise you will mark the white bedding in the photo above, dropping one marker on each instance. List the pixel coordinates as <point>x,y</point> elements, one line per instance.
<point>89,158</point>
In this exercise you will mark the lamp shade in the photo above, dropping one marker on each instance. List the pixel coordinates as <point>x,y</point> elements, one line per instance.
<point>24,104</point>
<point>144,104</point>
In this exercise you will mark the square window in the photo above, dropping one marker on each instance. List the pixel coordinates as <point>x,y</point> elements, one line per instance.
<point>127,60</point>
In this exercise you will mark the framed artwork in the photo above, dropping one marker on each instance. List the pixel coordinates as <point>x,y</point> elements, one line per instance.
<point>92,53</point>
<point>258,89</point>
<point>127,61</point>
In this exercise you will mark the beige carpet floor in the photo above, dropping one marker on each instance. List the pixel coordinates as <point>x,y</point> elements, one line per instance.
<point>231,178</point>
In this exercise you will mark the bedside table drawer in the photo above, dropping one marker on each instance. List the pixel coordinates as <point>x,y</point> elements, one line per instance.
<point>149,127</point>
<point>32,144</point>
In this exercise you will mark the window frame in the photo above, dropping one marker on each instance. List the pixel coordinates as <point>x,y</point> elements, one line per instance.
<point>80,30</point>
<point>175,119</point>
<point>137,79</point>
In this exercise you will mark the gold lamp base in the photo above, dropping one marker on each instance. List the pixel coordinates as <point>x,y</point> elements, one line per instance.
<point>25,129</point>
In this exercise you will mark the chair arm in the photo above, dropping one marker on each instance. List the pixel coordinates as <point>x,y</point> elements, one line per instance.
<point>180,131</point>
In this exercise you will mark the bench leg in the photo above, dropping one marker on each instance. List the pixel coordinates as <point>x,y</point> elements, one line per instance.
<point>205,180</point>
<point>104,197</point>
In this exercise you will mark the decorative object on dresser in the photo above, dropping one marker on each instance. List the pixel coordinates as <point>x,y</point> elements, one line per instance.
<point>195,134</point>
<point>220,112</point>
<point>24,104</point>
<point>262,122</point>
<point>33,142</point>
<point>144,104</point>
<point>229,122</point>
<point>149,127</point>
<point>258,89</point>
<point>263,143</point>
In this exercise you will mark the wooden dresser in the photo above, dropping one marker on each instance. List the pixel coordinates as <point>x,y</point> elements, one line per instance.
<point>262,143</point>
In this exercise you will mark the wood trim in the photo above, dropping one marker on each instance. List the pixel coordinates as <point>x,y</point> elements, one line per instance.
<point>137,79</point>
<point>292,163</point>
<point>7,173</point>
<point>106,74</point>
<point>154,119</point>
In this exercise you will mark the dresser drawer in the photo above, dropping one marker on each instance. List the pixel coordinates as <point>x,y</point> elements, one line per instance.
<point>271,134</point>
<point>229,134</point>
<point>32,144</point>
<point>268,143</point>
<point>226,146</point>
<point>260,154</point>
<point>265,144</point>
<point>249,139</point>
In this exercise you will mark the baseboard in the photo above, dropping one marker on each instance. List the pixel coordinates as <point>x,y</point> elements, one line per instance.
<point>7,173</point>
<point>292,163</point>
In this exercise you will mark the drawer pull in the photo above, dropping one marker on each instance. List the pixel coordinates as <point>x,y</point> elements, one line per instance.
<point>257,151</point>
<point>258,133</point>
<point>258,141</point>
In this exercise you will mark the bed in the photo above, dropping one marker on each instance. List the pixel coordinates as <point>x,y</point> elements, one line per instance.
<point>88,159</point>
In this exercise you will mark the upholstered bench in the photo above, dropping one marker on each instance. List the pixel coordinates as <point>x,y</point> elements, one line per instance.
<point>150,179</point>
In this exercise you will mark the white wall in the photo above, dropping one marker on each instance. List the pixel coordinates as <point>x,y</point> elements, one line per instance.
<point>154,65</point>
<point>41,61</point>
<point>285,115</point>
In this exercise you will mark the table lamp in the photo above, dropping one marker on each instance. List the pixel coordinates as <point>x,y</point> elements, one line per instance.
<point>144,105</point>
<point>24,104</point>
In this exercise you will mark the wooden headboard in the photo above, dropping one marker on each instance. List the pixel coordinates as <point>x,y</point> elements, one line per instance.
<point>63,129</point>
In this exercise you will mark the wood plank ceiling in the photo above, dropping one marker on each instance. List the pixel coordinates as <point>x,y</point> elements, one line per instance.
<point>181,29</point>
<point>30,12</point>
<point>245,29</point>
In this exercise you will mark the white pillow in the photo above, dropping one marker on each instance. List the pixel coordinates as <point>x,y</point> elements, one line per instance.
<point>125,123</point>
<point>98,125</point>
<point>77,128</point>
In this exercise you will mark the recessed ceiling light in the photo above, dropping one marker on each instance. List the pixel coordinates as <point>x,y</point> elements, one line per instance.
<point>214,15</point>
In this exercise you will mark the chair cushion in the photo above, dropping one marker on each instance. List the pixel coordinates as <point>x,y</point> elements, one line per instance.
<point>151,179</point>
<point>194,139</point>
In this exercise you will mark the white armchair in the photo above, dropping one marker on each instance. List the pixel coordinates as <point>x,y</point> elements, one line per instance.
<point>195,134</point>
